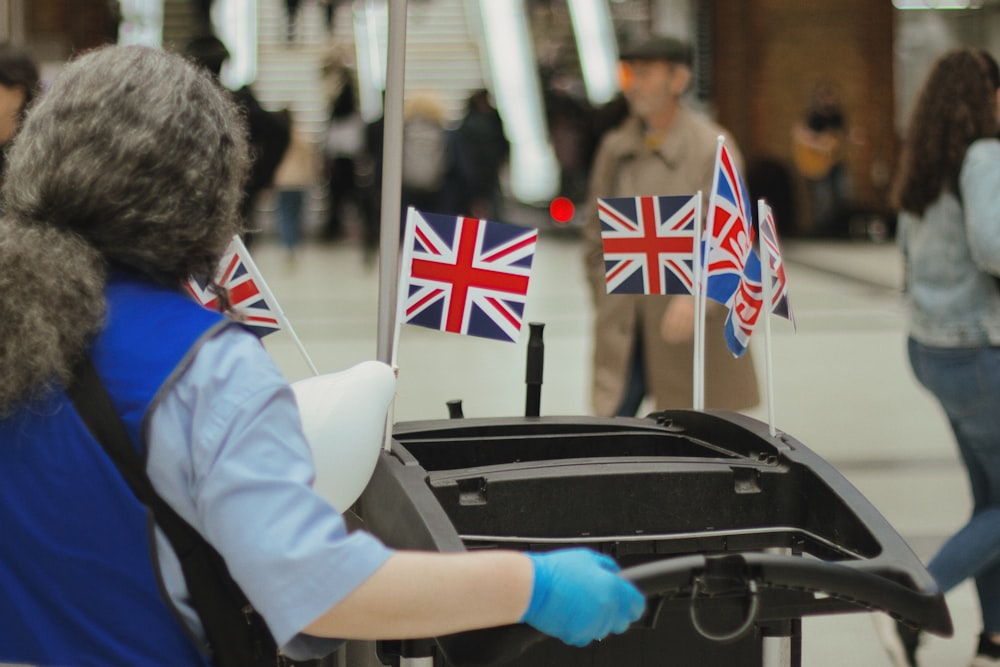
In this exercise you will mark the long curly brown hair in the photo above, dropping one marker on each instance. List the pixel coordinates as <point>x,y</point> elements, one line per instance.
<point>134,158</point>
<point>955,107</point>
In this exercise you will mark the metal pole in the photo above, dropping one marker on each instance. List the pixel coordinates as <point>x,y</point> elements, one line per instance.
<point>391,178</point>
<point>777,651</point>
<point>416,662</point>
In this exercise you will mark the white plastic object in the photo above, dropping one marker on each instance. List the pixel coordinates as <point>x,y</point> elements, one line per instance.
<point>344,419</point>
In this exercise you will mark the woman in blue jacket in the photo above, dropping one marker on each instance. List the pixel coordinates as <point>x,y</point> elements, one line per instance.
<point>125,181</point>
<point>948,194</point>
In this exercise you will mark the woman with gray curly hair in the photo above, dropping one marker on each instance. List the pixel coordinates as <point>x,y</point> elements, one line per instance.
<point>124,181</point>
<point>130,180</point>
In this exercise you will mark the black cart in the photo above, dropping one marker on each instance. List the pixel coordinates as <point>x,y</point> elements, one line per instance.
<point>733,534</point>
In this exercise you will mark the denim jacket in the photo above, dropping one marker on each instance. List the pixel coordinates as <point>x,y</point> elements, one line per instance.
<point>951,257</point>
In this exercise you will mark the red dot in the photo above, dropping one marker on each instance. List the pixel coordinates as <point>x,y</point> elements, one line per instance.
<point>561,209</point>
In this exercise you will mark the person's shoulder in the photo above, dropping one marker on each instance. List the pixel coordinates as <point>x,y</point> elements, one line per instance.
<point>702,131</point>
<point>982,160</point>
<point>698,122</point>
<point>983,150</point>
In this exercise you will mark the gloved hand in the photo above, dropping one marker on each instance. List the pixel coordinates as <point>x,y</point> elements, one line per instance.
<point>578,596</point>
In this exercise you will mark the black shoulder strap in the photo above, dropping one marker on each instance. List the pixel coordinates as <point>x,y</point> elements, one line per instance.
<point>236,633</point>
<point>99,414</point>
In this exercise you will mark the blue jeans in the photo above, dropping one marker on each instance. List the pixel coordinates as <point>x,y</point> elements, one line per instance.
<point>830,201</point>
<point>966,382</point>
<point>290,206</point>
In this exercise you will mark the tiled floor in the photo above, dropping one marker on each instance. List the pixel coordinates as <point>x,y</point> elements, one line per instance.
<point>842,386</point>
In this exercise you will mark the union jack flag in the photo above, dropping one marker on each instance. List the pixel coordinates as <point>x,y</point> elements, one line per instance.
<point>780,305</point>
<point>745,307</point>
<point>467,276</point>
<point>249,298</point>
<point>648,244</point>
<point>748,301</point>
<point>730,229</point>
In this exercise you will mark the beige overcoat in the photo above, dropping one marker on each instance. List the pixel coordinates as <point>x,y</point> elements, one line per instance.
<point>680,163</point>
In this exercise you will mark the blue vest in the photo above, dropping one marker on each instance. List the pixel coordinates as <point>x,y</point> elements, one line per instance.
<point>79,583</point>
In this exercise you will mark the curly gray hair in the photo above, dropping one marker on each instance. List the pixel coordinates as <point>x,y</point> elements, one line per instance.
<point>134,157</point>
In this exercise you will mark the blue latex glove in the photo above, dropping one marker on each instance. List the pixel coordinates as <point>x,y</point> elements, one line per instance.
<point>578,596</point>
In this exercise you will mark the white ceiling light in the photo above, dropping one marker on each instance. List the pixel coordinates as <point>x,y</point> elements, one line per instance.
<point>937,4</point>
<point>595,42</point>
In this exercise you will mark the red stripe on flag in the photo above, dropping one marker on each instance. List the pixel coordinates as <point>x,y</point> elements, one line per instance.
<point>433,294</point>
<point>426,241</point>
<point>463,276</point>
<point>503,310</point>
<point>243,291</point>
<point>227,275</point>
<point>527,241</point>
<point>622,266</point>
<point>610,212</point>
<point>261,320</point>
<point>203,296</point>
<point>681,272</point>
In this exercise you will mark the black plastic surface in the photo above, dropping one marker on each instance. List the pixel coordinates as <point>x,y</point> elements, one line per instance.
<point>673,498</point>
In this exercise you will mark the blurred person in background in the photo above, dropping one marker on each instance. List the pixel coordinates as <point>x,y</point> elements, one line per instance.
<point>482,149</point>
<point>269,136</point>
<point>19,84</point>
<point>291,17</point>
<point>569,118</point>
<point>644,345</point>
<point>946,191</point>
<point>428,155</point>
<point>293,183</point>
<point>820,151</point>
<point>343,151</point>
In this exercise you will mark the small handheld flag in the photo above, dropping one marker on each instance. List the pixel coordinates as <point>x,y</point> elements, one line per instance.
<point>250,299</point>
<point>775,295</point>
<point>770,248</point>
<point>745,307</point>
<point>730,229</point>
<point>751,295</point>
<point>649,244</point>
<point>248,295</point>
<point>464,275</point>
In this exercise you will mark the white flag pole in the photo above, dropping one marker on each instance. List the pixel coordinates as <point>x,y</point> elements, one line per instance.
<point>251,267</point>
<point>404,279</point>
<point>698,400</point>
<point>401,292</point>
<point>763,211</point>
<point>707,258</point>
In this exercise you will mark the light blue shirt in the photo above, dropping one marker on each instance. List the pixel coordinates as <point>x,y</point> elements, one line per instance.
<point>226,451</point>
<point>952,255</point>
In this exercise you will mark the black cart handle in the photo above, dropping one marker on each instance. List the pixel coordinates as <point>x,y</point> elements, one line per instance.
<point>672,577</point>
<point>859,582</point>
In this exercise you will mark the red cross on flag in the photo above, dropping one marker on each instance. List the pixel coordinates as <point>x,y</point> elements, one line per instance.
<point>649,244</point>
<point>466,276</point>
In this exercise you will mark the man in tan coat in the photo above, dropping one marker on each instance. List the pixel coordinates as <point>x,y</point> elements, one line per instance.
<point>643,345</point>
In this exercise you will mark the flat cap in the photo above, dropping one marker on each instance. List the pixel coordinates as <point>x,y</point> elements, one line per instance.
<point>670,49</point>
